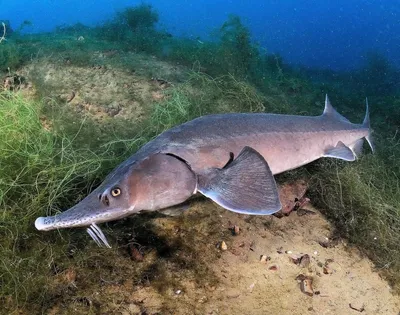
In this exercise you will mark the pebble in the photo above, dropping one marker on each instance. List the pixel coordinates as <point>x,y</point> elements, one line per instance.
<point>306,286</point>
<point>327,270</point>
<point>357,306</point>
<point>223,246</point>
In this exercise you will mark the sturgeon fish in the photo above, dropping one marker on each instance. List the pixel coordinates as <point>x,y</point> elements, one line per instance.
<point>229,158</point>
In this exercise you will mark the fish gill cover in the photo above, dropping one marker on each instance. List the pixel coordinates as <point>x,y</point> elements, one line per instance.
<point>78,98</point>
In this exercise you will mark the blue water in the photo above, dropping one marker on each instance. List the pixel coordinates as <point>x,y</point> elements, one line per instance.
<point>328,34</point>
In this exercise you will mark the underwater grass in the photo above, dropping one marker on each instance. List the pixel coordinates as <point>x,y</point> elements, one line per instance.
<point>39,174</point>
<point>362,199</point>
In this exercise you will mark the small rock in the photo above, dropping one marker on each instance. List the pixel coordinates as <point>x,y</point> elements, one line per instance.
<point>306,286</point>
<point>203,299</point>
<point>301,277</point>
<point>273,268</point>
<point>232,293</point>
<point>280,250</point>
<point>264,258</point>
<point>223,246</point>
<point>329,243</point>
<point>288,251</point>
<point>177,292</point>
<point>305,261</point>
<point>295,259</point>
<point>357,306</point>
<point>326,270</point>
<point>236,230</point>
<point>251,287</point>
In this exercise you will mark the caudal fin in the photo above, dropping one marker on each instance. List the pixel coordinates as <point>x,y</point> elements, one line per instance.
<point>366,124</point>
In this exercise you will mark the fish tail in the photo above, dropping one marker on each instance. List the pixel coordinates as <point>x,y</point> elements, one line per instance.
<point>366,124</point>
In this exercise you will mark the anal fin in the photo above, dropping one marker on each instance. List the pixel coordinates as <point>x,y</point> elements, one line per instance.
<point>341,151</point>
<point>246,185</point>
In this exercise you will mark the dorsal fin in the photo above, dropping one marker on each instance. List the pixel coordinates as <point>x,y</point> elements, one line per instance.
<point>330,112</point>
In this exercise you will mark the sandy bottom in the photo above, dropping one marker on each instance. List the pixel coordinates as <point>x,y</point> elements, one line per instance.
<point>343,281</point>
<point>235,279</point>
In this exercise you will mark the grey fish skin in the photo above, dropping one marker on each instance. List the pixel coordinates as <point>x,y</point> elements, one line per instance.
<point>230,158</point>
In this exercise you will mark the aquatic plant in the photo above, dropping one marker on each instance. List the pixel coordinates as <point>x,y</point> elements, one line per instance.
<point>135,27</point>
<point>39,171</point>
<point>237,52</point>
<point>10,57</point>
<point>363,201</point>
<point>139,17</point>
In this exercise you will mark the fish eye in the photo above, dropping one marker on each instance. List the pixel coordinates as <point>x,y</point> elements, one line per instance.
<point>115,192</point>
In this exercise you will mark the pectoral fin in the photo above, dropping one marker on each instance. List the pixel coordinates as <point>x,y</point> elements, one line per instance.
<point>341,151</point>
<point>246,185</point>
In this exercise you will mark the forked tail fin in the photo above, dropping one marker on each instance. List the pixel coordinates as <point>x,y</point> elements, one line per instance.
<point>366,124</point>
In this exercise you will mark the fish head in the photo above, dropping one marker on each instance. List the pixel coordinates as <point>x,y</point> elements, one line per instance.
<point>156,182</point>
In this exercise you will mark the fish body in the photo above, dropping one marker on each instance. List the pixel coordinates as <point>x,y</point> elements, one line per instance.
<point>230,158</point>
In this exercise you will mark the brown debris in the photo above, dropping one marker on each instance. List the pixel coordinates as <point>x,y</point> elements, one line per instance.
<point>136,255</point>
<point>70,97</point>
<point>69,275</point>
<point>235,229</point>
<point>273,268</point>
<point>161,82</point>
<point>14,82</point>
<point>301,212</point>
<point>292,197</point>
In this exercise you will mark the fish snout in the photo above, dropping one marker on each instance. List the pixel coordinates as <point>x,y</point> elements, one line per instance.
<point>44,223</point>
